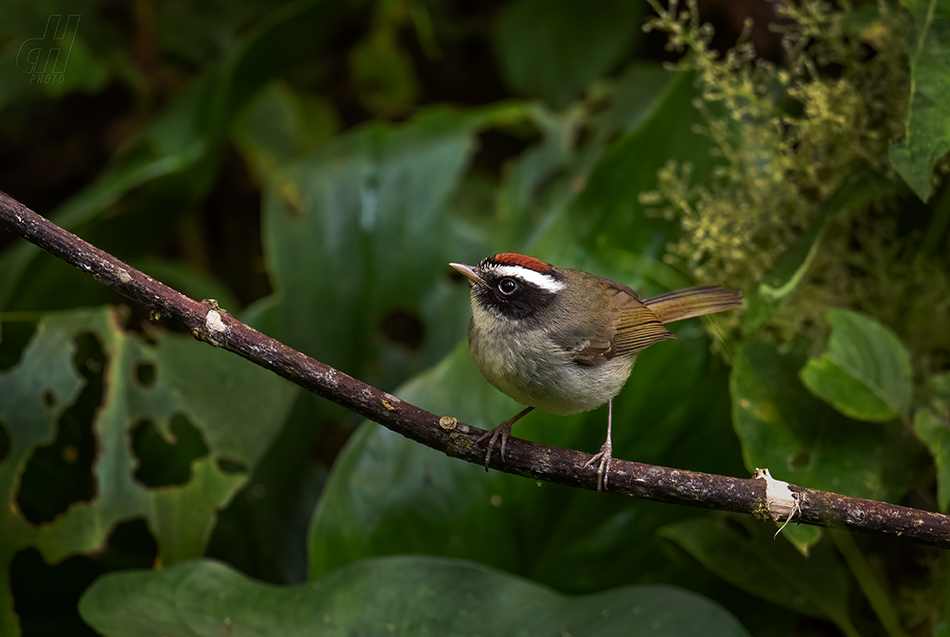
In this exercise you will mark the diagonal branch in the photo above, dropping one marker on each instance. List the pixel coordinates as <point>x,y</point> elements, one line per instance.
<point>760,496</point>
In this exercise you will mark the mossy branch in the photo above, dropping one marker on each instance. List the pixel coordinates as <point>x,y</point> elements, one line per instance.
<point>761,496</point>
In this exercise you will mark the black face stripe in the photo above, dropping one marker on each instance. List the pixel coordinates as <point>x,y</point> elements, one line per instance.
<point>512,296</point>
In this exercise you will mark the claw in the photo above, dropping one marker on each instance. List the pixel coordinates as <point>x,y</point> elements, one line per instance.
<point>605,456</point>
<point>502,431</point>
<point>603,465</point>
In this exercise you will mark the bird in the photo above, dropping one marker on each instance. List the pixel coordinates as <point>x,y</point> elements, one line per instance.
<point>564,341</point>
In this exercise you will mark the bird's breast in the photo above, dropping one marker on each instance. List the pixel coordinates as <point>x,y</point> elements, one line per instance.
<point>530,368</point>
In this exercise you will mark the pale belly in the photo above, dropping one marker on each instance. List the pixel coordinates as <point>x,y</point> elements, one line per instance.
<point>548,378</point>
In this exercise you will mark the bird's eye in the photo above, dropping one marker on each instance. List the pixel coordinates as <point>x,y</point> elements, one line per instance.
<point>507,286</point>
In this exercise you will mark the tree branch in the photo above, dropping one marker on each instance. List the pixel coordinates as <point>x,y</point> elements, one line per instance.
<point>760,496</point>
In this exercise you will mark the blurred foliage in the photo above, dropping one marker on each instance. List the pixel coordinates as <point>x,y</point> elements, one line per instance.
<point>452,593</point>
<point>314,165</point>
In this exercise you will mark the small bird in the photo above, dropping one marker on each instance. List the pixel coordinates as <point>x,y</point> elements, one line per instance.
<point>564,341</point>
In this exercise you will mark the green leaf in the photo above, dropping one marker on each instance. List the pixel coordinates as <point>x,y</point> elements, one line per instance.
<point>634,98</point>
<point>927,134</point>
<point>357,241</point>
<point>398,595</point>
<point>187,279</point>
<point>802,440</point>
<point>553,48</point>
<point>382,72</point>
<point>865,372</point>
<point>779,285</point>
<point>35,67</point>
<point>744,552</point>
<point>134,169</point>
<point>932,426</point>
<point>608,215</point>
<point>235,407</point>
<point>279,125</point>
<point>539,185</point>
<point>177,154</point>
<point>388,495</point>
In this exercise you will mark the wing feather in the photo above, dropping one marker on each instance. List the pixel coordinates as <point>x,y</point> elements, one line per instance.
<point>632,328</point>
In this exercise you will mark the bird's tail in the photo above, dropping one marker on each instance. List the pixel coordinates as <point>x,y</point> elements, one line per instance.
<point>696,301</point>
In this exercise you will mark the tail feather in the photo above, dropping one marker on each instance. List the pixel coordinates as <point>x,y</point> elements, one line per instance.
<point>695,301</point>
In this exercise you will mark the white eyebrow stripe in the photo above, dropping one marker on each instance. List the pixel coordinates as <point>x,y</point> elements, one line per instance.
<point>543,281</point>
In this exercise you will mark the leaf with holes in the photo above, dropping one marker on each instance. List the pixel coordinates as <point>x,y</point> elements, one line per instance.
<point>210,414</point>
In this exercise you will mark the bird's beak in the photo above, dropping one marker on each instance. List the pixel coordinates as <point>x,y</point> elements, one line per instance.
<point>470,272</point>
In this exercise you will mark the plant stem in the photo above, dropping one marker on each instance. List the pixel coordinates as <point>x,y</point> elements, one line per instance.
<point>871,588</point>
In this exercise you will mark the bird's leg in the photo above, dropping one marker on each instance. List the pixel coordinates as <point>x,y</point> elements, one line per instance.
<point>605,456</point>
<point>501,431</point>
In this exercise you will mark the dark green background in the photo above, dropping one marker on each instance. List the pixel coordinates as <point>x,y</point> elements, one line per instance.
<point>314,166</point>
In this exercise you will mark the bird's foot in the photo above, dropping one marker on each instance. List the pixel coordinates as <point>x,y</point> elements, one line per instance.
<point>603,464</point>
<point>501,432</point>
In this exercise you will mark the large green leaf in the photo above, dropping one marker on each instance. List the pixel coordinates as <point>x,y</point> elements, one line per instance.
<point>865,372</point>
<point>358,237</point>
<point>393,596</point>
<point>553,48</point>
<point>235,407</point>
<point>744,552</point>
<point>802,440</point>
<point>927,133</point>
<point>388,495</point>
<point>357,241</point>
